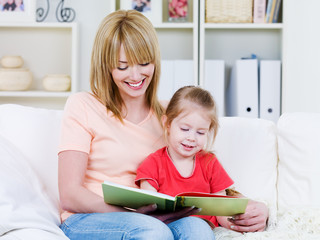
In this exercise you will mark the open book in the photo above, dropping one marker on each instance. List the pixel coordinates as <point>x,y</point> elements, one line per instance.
<point>213,205</point>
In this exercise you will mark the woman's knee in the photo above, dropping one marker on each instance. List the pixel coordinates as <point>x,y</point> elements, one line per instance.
<point>115,226</point>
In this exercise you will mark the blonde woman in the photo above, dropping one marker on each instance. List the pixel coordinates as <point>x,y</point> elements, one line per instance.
<point>106,134</point>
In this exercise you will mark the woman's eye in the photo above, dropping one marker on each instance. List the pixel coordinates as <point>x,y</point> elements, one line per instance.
<point>144,64</point>
<point>122,68</point>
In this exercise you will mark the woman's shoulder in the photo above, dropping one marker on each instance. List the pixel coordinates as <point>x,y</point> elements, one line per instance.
<point>82,98</point>
<point>164,103</point>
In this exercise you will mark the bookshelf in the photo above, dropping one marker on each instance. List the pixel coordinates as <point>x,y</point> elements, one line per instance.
<point>193,40</point>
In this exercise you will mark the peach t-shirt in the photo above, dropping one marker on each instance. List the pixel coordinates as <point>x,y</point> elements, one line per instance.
<point>115,149</point>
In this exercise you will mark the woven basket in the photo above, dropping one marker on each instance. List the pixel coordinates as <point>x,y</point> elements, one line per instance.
<point>229,11</point>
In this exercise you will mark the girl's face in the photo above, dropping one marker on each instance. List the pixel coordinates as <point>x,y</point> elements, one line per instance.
<point>187,134</point>
<point>132,81</point>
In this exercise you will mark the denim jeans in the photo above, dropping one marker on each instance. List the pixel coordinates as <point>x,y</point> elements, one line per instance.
<point>125,226</point>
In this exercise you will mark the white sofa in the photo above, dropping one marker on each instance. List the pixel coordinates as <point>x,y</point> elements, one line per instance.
<point>275,163</point>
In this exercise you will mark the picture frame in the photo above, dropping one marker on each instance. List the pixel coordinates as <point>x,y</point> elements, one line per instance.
<point>17,11</point>
<point>152,9</point>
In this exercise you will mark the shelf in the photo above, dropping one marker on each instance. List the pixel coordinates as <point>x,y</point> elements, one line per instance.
<point>243,26</point>
<point>34,94</point>
<point>173,25</point>
<point>38,24</point>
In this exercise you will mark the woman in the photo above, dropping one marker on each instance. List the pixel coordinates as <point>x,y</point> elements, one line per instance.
<point>107,134</point>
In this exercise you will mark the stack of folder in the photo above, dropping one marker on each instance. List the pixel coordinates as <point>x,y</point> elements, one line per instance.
<point>253,90</point>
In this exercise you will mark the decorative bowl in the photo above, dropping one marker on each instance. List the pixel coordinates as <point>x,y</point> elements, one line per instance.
<point>15,79</point>
<point>57,82</point>
<point>11,61</point>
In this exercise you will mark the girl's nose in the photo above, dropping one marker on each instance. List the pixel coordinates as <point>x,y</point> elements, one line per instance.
<point>191,137</point>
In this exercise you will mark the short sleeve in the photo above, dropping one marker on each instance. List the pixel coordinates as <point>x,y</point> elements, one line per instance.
<point>218,177</point>
<point>148,170</point>
<point>75,131</point>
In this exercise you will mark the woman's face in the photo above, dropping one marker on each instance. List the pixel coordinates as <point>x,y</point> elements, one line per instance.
<point>132,81</point>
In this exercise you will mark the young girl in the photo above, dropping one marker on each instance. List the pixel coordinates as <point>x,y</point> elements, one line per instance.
<point>190,124</point>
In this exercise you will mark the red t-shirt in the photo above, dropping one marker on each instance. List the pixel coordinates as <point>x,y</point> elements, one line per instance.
<point>208,175</point>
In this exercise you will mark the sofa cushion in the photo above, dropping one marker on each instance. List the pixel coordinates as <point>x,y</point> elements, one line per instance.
<point>299,159</point>
<point>247,148</point>
<point>35,132</point>
<point>23,203</point>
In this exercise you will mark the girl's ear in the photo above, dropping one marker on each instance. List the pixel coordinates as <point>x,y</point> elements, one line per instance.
<point>164,120</point>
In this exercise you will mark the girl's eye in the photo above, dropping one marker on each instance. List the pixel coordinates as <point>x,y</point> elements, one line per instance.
<point>184,129</point>
<point>144,64</point>
<point>122,68</point>
<point>201,133</point>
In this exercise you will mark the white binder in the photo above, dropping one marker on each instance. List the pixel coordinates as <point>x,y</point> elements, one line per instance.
<point>183,73</point>
<point>166,84</point>
<point>242,91</point>
<point>270,81</point>
<point>214,82</point>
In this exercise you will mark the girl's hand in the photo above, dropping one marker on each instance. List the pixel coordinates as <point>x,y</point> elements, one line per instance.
<point>253,220</point>
<point>167,217</point>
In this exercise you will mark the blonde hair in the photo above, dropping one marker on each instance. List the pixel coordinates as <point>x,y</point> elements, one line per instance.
<point>201,98</point>
<point>139,39</point>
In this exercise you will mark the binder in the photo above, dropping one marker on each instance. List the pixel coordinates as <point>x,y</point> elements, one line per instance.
<point>166,84</point>
<point>242,91</point>
<point>214,82</point>
<point>270,83</point>
<point>183,73</point>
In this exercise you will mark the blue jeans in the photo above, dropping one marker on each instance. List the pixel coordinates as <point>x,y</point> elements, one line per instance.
<point>126,225</point>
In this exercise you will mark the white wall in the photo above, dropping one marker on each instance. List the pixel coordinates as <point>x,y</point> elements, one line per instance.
<point>301,43</point>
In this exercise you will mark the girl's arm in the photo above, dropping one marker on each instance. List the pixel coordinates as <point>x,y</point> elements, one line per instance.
<point>74,197</point>
<point>146,186</point>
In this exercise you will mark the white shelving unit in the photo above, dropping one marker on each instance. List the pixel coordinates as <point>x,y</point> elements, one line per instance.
<point>232,41</point>
<point>46,48</point>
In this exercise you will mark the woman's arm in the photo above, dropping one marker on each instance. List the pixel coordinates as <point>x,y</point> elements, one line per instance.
<point>253,220</point>
<point>74,197</point>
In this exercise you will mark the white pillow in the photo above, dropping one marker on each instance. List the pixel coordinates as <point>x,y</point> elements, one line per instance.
<point>23,204</point>
<point>299,159</point>
<point>247,148</point>
<point>35,132</point>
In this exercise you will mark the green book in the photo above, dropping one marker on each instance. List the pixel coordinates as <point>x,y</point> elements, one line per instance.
<point>210,204</point>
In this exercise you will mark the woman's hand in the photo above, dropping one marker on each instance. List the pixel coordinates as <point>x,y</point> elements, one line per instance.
<point>253,220</point>
<point>151,210</point>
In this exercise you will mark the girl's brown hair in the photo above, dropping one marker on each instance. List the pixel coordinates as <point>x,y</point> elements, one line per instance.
<point>139,39</point>
<point>190,96</point>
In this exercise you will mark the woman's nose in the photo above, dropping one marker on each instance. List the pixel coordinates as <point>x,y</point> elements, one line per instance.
<point>135,73</point>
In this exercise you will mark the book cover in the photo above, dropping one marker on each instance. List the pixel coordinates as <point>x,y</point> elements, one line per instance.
<point>269,10</point>
<point>276,12</point>
<point>213,205</point>
<point>259,11</point>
